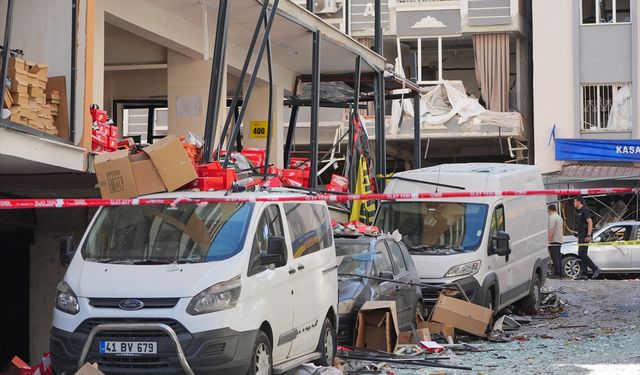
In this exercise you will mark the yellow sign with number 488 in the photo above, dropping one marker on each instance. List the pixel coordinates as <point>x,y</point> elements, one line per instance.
<point>258,129</point>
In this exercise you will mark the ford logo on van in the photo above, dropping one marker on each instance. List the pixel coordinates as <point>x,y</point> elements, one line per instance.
<point>131,304</point>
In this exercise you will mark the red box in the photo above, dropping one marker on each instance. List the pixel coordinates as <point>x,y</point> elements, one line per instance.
<point>213,177</point>
<point>112,143</point>
<point>299,163</point>
<point>211,183</point>
<point>113,132</point>
<point>100,139</point>
<point>338,184</point>
<point>257,156</point>
<point>295,177</point>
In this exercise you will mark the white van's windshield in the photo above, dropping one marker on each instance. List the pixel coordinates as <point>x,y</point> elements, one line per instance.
<point>435,228</point>
<point>161,234</point>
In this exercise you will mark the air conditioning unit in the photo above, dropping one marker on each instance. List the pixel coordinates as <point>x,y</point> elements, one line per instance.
<point>322,6</point>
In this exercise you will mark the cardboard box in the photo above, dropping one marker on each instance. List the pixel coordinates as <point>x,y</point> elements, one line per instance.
<point>462,315</point>
<point>408,338</point>
<point>8,99</point>
<point>145,175</point>
<point>377,326</point>
<point>438,329</point>
<point>172,162</point>
<point>115,176</point>
<point>88,369</point>
<point>19,99</point>
<point>16,64</point>
<point>59,86</point>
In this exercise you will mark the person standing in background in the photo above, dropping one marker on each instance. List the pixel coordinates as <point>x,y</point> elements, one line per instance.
<point>584,227</point>
<point>555,239</point>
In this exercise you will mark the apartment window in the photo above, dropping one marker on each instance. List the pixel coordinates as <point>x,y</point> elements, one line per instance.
<point>606,11</point>
<point>606,107</point>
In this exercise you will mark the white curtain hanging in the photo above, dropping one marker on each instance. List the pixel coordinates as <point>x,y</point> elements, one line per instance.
<point>620,114</point>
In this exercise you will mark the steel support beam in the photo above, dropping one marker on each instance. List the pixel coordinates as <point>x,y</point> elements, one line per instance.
<point>270,112</point>
<point>215,85</point>
<point>417,143</point>
<point>381,154</point>
<point>254,75</point>
<point>310,5</point>
<point>243,74</point>
<point>356,101</point>
<point>291,132</point>
<point>315,109</point>
<point>5,51</point>
<point>377,47</point>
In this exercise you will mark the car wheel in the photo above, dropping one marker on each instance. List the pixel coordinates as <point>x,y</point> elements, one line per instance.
<point>571,266</point>
<point>488,299</point>
<point>326,345</point>
<point>261,359</point>
<point>531,303</point>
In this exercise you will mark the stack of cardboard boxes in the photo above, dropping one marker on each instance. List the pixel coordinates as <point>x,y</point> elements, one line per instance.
<point>30,102</point>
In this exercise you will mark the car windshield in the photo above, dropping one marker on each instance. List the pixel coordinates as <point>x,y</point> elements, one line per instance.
<point>161,234</point>
<point>355,259</point>
<point>435,228</point>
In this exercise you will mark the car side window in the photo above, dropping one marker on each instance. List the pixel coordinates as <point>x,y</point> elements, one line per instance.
<point>309,227</point>
<point>619,233</point>
<point>396,254</point>
<point>270,224</point>
<point>407,257</point>
<point>381,260</point>
<point>497,225</point>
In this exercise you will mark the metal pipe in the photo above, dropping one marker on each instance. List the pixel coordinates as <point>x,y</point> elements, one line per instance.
<point>347,16</point>
<point>356,102</point>
<point>254,75</point>
<point>215,85</point>
<point>290,134</point>
<point>270,114</point>
<point>243,73</point>
<point>5,51</point>
<point>417,142</point>
<point>381,152</point>
<point>74,68</point>
<point>129,327</point>
<point>377,47</point>
<point>310,5</point>
<point>315,107</point>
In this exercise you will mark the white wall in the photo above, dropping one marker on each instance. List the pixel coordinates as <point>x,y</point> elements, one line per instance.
<point>553,78</point>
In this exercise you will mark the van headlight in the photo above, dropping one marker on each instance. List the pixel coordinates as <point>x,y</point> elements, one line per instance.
<point>66,299</point>
<point>345,306</point>
<point>221,296</point>
<point>464,269</point>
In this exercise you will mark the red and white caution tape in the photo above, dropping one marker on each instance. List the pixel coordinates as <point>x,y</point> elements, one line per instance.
<point>14,204</point>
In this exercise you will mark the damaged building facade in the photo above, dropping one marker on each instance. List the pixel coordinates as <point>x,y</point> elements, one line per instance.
<point>481,49</point>
<point>586,99</point>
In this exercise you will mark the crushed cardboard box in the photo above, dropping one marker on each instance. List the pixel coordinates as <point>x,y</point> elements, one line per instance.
<point>164,166</point>
<point>462,315</point>
<point>438,329</point>
<point>377,326</point>
<point>171,162</point>
<point>410,338</point>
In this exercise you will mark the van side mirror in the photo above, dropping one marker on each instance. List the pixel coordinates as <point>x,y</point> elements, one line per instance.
<point>500,244</point>
<point>387,275</point>
<point>67,250</point>
<point>276,252</point>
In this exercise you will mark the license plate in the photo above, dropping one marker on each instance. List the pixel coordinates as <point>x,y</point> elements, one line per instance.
<point>128,347</point>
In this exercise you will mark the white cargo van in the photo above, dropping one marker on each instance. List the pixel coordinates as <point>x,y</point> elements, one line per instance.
<point>495,248</point>
<point>224,288</point>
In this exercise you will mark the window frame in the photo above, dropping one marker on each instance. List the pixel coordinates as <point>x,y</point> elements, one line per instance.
<point>408,261</point>
<point>614,5</point>
<point>600,125</point>
<point>397,268</point>
<point>292,238</point>
<point>386,251</point>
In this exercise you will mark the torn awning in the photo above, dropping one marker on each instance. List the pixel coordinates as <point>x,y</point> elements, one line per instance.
<point>599,172</point>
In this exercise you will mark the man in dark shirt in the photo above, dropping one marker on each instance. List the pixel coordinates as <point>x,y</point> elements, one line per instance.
<point>584,226</point>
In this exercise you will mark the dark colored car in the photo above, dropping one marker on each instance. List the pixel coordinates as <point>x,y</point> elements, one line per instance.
<point>363,259</point>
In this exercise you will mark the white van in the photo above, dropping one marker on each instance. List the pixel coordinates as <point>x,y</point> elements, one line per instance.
<point>495,248</point>
<point>224,288</point>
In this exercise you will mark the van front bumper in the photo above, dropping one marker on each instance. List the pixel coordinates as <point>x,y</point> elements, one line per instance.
<point>469,285</point>
<point>210,352</point>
